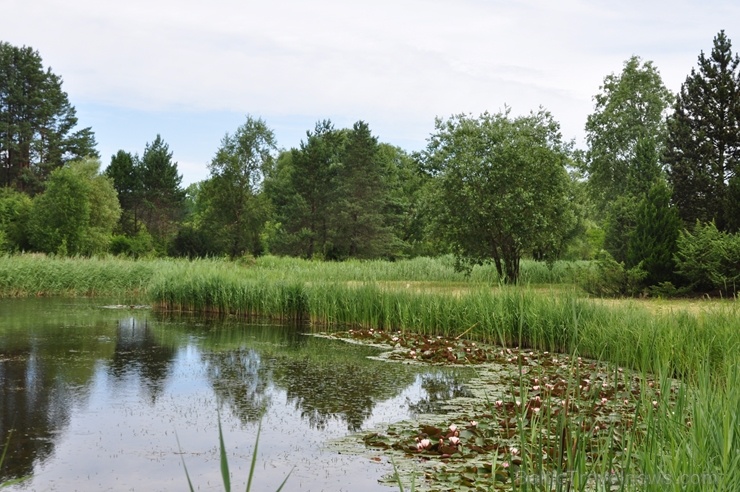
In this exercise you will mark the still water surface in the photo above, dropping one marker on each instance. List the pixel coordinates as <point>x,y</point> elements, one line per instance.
<point>97,399</point>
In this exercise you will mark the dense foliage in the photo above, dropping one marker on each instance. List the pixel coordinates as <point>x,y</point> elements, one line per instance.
<point>500,187</point>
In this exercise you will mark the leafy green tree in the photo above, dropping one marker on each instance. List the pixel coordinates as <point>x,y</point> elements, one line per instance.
<point>703,148</point>
<point>500,187</point>
<point>37,121</point>
<point>405,209</point>
<point>235,208</point>
<point>629,119</point>
<point>15,210</point>
<point>163,196</point>
<point>125,172</point>
<point>76,212</point>
<point>652,244</point>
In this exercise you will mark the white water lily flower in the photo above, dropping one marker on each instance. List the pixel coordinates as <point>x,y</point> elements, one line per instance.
<point>454,440</point>
<point>453,427</point>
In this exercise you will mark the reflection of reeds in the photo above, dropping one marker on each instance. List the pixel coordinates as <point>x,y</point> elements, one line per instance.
<point>12,481</point>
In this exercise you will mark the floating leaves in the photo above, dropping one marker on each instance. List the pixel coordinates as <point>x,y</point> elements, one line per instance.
<point>557,414</point>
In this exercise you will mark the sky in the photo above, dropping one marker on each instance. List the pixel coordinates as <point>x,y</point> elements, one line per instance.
<point>191,71</point>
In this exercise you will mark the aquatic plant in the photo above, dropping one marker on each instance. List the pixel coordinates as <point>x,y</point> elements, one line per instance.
<point>224,462</point>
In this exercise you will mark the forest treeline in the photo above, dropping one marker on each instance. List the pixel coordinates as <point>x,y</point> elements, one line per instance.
<point>654,199</point>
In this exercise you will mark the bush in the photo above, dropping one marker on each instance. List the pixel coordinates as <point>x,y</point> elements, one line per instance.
<point>709,259</point>
<point>136,246</point>
<point>609,278</point>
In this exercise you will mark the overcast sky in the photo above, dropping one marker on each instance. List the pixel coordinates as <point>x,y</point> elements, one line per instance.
<point>192,70</point>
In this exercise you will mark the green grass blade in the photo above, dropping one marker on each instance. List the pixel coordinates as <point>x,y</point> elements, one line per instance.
<point>224,460</point>
<point>396,475</point>
<point>254,458</point>
<point>284,481</point>
<point>187,475</point>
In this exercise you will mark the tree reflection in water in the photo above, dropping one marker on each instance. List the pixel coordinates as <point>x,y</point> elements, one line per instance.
<point>440,388</point>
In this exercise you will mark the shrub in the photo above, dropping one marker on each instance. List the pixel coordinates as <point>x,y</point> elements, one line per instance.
<point>709,259</point>
<point>609,278</point>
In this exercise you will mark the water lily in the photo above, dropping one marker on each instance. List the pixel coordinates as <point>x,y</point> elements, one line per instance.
<point>453,427</point>
<point>473,423</point>
<point>514,451</point>
<point>499,403</point>
<point>454,440</point>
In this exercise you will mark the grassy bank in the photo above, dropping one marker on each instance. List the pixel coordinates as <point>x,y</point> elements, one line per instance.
<point>427,297</point>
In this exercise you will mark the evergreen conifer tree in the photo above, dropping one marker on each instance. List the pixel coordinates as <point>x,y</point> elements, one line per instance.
<point>703,146</point>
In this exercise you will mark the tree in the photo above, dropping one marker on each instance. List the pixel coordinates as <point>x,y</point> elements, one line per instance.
<point>37,121</point>
<point>500,187</point>
<point>406,183</point>
<point>303,187</point>
<point>15,210</point>
<point>125,172</point>
<point>628,120</point>
<point>236,210</point>
<point>703,148</point>
<point>163,197</point>
<point>358,220</point>
<point>76,212</point>
<point>652,243</point>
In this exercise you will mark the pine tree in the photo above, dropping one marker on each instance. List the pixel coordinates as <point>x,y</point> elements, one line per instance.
<point>124,170</point>
<point>36,121</point>
<point>653,241</point>
<point>357,218</point>
<point>703,147</point>
<point>163,197</point>
<point>312,180</point>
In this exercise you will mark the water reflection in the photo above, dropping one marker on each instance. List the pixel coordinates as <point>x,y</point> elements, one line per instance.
<point>110,388</point>
<point>241,380</point>
<point>140,353</point>
<point>439,388</point>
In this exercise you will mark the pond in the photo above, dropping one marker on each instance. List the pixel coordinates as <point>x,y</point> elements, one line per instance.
<point>95,398</point>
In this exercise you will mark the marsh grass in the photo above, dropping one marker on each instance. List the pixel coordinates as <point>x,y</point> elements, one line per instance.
<point>39,275</point>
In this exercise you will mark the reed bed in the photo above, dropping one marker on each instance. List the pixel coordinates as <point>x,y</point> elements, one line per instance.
<point>39,275</point>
